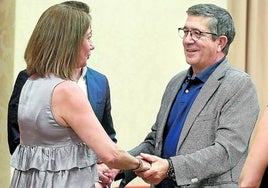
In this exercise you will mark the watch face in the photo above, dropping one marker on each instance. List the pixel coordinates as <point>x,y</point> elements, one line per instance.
<point>171,173</point>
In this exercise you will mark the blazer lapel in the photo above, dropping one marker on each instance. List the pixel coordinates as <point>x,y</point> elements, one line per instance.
<point>202,98</point>
<point>166,105</point>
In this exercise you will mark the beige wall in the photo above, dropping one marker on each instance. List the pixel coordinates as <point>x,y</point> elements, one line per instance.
<point>7,16</point>
<point>136,46</point>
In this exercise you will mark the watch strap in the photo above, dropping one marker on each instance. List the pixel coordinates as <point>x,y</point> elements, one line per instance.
<point>171,172</point>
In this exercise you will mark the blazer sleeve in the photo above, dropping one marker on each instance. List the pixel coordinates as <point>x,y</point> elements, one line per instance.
<point>12,119</point>
<point>107,121</point>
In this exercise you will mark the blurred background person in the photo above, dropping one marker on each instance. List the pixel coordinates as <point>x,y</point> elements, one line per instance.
<point>254,173</point>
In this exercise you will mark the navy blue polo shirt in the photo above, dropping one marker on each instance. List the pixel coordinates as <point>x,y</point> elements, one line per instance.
<point>181,106</point>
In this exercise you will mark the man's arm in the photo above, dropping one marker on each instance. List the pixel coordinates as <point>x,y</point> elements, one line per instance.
<point>12,120</point>
<point>238,114</point>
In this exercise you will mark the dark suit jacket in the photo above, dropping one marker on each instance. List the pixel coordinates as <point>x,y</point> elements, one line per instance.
<point>98,94</point>
<point>213,143</point>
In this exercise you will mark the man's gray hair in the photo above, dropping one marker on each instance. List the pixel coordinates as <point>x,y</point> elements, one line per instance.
<point>221,21</point>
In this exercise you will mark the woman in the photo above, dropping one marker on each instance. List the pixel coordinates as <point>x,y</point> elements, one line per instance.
<point>60,133</point>
<point>253,174</point>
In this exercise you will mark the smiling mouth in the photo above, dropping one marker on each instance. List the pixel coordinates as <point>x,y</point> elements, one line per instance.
<point>191,50</point>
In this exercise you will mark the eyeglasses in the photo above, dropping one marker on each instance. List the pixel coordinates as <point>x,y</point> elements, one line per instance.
<point>194,33</point>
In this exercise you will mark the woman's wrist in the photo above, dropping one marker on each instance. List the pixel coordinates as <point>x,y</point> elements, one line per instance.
<point>140,166</point>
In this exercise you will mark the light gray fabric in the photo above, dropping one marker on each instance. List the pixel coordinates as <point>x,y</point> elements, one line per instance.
<point>49,155</point>
<point>214,140</point>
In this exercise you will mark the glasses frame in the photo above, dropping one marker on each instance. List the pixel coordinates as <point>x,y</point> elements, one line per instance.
<point>196,38</point>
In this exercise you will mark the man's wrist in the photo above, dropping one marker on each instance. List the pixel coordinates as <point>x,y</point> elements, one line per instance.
<point>171,172</point>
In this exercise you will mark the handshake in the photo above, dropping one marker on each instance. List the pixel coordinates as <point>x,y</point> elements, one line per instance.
<point>143,165</point>
<point>151,169</point>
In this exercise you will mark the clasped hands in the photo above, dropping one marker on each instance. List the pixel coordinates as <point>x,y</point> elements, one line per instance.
<point>157,171</point>
<point>154,170</point>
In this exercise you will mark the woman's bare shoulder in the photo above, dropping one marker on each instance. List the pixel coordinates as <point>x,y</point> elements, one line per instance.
<point>68,91</point>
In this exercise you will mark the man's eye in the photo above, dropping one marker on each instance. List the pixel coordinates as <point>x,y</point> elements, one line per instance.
<point>196,32</point>
<point>186,32</point>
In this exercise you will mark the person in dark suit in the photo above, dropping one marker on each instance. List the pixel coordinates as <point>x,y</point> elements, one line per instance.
<point>94,84</point>
<point>207,113</point>
<point>12,115</point>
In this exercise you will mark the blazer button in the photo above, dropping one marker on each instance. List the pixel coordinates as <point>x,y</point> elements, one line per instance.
<point>194,180</point>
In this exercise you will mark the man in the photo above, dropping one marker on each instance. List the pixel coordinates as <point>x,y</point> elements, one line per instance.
<point>94,84</point>
<point>207,113</point>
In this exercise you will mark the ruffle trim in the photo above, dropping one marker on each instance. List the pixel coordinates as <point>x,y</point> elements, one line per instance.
<point>52,158</point>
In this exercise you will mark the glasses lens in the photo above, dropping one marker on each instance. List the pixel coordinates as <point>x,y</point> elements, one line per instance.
<point>195,35</point>
<point>182,33</point>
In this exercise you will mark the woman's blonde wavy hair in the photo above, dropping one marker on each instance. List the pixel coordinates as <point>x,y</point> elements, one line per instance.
<point>56,41</point>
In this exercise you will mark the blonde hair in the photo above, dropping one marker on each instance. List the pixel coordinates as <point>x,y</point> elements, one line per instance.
<point>56,41</point>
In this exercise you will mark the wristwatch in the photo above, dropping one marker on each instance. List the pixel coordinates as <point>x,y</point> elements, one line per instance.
<point>171,173</point>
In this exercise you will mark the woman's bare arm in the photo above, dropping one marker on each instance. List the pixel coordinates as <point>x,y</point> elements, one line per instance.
<point>72,108</point>
<point>257,159</point>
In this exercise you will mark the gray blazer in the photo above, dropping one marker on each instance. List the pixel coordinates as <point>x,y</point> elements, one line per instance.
<point>214,139</point>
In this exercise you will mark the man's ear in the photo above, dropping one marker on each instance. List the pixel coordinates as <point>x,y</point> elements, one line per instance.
<point>222,41</point>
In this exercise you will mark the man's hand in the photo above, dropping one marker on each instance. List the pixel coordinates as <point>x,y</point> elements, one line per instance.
<point>144,165</point>
<point>158,170</point>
